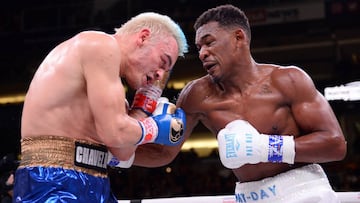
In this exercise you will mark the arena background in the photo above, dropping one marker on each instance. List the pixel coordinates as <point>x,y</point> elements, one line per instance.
<point>321,36</point>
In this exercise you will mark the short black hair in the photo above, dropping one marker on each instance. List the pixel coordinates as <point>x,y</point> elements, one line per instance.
<point>226,16</point>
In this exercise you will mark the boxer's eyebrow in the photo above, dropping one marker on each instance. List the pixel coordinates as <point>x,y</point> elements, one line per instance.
<point>201,41</point>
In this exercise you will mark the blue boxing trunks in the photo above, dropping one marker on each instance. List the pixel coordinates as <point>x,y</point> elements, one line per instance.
<point>60,169</point>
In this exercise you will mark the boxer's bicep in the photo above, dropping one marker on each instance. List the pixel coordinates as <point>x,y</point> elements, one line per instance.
<point>320,138</point>
<point>106,97</point>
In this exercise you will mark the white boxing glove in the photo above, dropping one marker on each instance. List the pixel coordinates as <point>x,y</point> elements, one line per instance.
<point>114,162</point>
<point>240,143</point>
<point>160,106</point>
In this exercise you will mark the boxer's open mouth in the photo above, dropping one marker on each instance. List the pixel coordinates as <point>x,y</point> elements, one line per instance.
<point>208,66</point>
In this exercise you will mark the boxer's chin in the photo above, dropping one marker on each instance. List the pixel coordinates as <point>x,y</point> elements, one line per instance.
<point>214,79</point>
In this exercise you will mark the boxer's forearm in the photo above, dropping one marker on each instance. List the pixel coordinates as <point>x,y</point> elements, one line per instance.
<point>137,114</point>
<point>154,155</point>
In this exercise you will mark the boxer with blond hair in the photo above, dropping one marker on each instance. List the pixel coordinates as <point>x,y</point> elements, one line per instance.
<point>75,109</point>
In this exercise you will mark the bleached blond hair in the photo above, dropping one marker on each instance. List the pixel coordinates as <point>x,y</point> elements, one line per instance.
<point>158,24</point>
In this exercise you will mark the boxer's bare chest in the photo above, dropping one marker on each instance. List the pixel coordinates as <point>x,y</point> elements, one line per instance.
<point>264,107</point>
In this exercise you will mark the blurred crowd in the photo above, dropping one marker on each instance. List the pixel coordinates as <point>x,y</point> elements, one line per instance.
<point>8,165</point>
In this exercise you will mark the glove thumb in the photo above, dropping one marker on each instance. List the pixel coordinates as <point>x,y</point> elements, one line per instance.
<point>178,125</point>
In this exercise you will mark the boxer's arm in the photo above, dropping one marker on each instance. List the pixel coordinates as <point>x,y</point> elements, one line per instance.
<point>105,92</point>
<point>163,106</point>
<point>124,157</point>
<point>322,139</point>
<point>126,154</point>
<point>153,155</point>
<point>106,96</point>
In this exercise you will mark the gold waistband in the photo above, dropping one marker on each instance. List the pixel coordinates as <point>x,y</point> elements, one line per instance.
<point>54,151</point>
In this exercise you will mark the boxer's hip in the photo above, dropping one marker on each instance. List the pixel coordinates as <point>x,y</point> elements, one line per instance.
<point>305,184</point>
<point>64,152</point>
<point>61,169</point>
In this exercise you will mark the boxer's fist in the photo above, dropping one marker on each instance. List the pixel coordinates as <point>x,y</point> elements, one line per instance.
<point>146,98</point>
<point>167,127</point>
<point>114,162</point>
<point>240,143</point>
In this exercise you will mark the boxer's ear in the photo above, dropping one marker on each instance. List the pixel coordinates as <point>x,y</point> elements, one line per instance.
<point>144,35</point>
<point>240,35</point>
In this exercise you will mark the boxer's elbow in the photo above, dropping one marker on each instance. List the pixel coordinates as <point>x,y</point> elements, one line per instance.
<point>154,155</point>
<point>125,156</point>
<point>169,156</point>
<point>339,148</point>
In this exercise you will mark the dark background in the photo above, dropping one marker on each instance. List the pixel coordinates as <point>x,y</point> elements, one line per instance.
<point>328,48</point>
